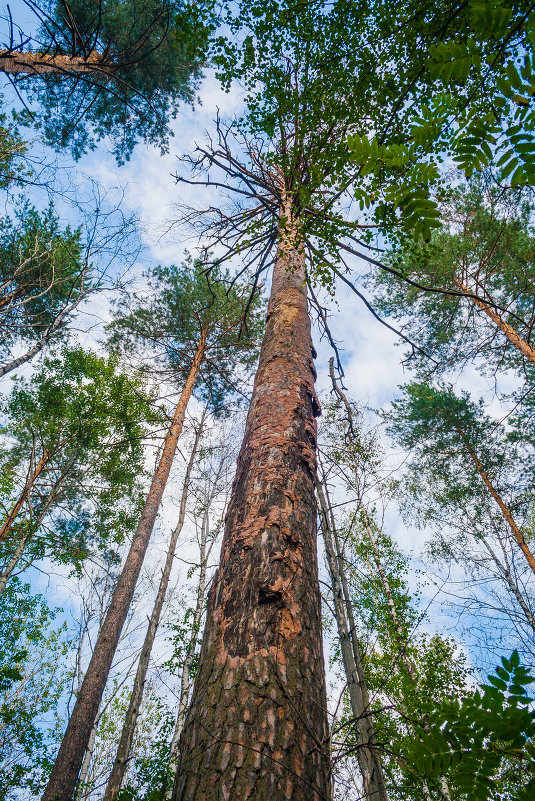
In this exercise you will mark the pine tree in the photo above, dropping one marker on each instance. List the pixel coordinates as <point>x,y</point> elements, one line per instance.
<point>110,68</point>
<point>197,321</point>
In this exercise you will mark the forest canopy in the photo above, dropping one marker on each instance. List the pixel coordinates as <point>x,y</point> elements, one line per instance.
<point>267,410</point>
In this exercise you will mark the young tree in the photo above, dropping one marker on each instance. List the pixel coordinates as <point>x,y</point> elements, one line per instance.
<point>109,68</point>
<point>212,482</point>
<point>480,265</point>
<point>195,325</point>
<point>122,756</point>
<point>73,449</point>
<point>368,754</point>
<point>454,441</point>
<point>368,559</point>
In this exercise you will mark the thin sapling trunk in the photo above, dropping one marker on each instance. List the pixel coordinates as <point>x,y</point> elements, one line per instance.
<point>127,734</point>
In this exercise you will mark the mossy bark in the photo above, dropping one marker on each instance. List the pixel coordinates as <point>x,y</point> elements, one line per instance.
<point>257,724</point>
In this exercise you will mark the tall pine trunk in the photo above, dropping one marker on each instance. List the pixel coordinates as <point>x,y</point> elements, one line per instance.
<point>129,727</point>
<point>257,725</point>
<point>69,760</point>
<point>368,755</point>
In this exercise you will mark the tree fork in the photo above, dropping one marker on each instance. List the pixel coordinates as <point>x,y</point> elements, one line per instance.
<point>257,725</point>
<point>62,782</point>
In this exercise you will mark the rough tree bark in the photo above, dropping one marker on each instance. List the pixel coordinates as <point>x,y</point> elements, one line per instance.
<point>35,63</point>
<point>62,782</point>
<point>257,724</point>
<point>368,756</point>
<point>127,734</point>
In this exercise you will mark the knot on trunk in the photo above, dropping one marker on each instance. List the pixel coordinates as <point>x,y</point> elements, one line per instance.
<point>269,596</point>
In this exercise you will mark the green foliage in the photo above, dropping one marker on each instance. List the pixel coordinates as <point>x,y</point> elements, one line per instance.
<point>32,679</point>
<point>485,246</point>
<point>91,419</point>
<point>445,434</point>
<point>12,151</point>
<point>476,740</point>
<point>471,101</point>
<point>41,273</point>
<point>152,53</point>
<point>183,304</point>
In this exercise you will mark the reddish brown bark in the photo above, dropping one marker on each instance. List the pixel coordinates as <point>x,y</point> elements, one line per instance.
<point>257,725</point>
<point>69,760</point>
<point>32,63</point>
<point>30,481</point>
<point>507,330</point>
<point>506,512</point>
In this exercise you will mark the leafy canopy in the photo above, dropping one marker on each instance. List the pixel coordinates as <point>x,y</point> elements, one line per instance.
<point>90,420</point>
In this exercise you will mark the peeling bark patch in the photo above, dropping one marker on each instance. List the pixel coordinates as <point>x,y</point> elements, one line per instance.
<point>267,596</point>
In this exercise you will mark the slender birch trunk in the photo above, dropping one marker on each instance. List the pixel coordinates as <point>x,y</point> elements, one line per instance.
<point>13,562</point>
<point>69,760</point>
<point>127,735</point>
<point>59,322</point>
<point>82,791</point>
<point>257,724</point>
<point>30,481</point>
<point>368,756</point>
<point>185,679</point>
